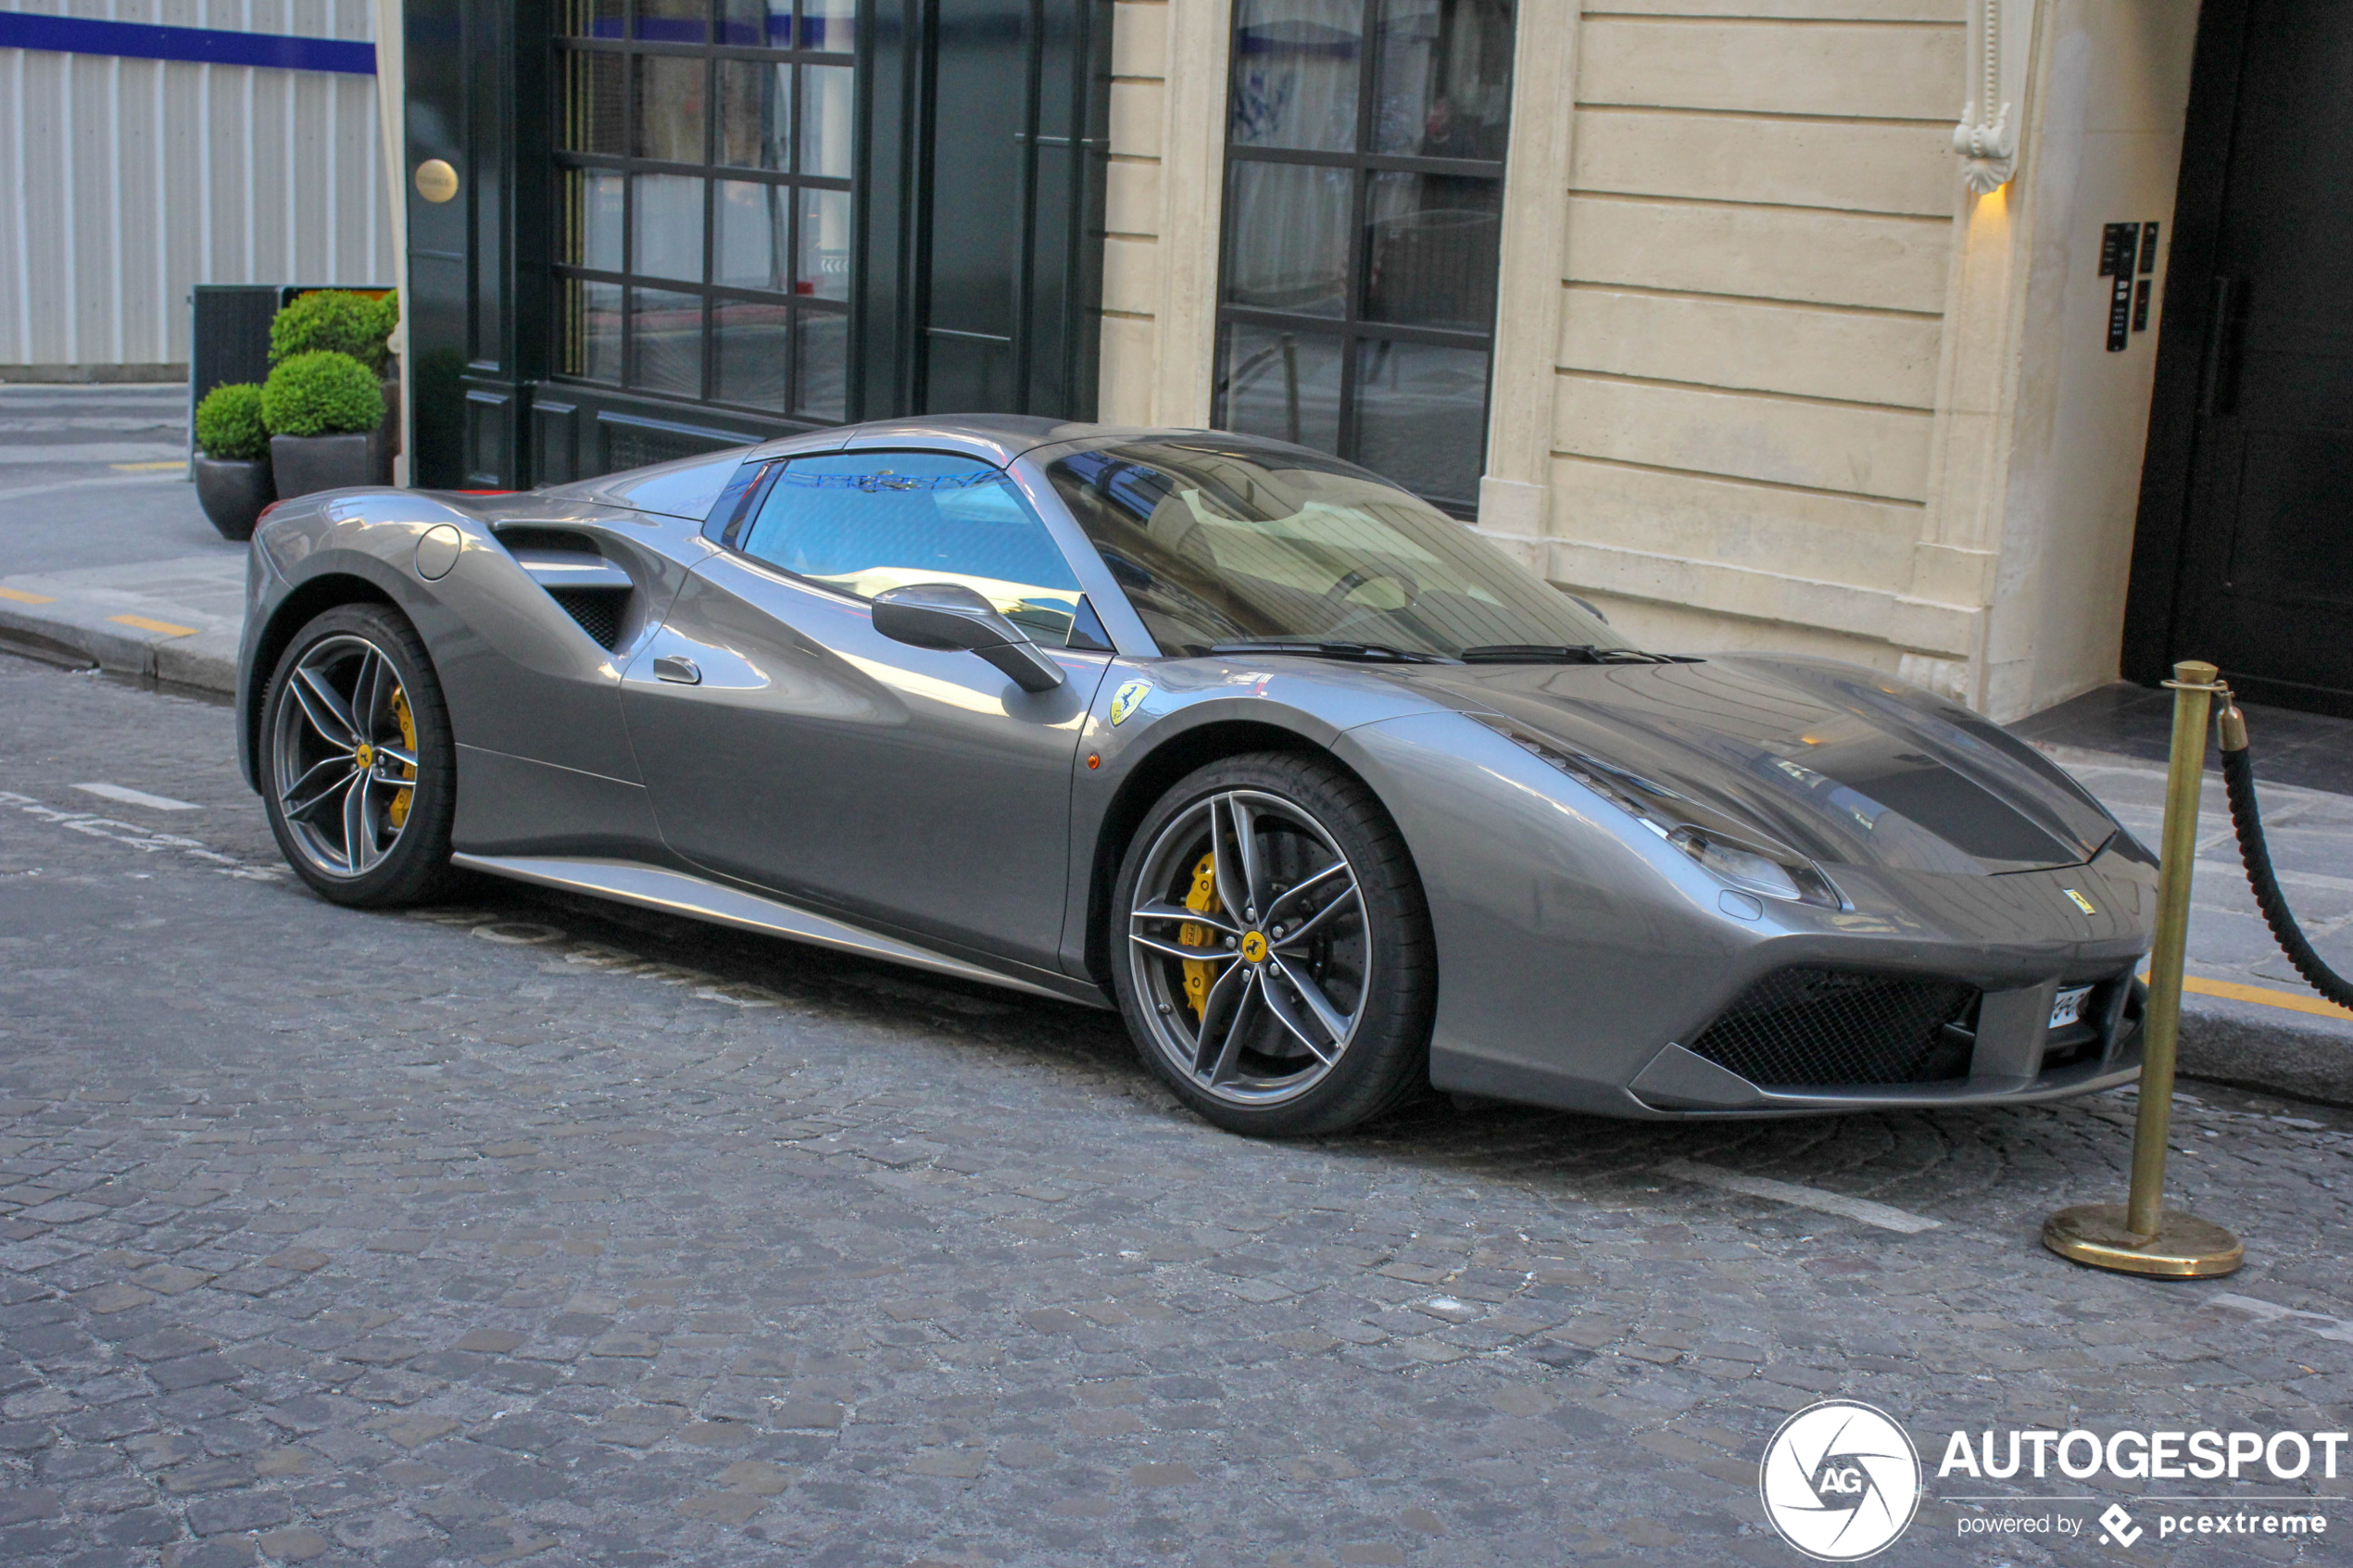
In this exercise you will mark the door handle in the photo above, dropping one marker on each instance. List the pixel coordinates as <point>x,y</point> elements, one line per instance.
<point>682,671</point>
<point>2220,394</point>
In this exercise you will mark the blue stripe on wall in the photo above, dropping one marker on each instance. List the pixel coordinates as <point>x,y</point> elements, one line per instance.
<point>83,35</point>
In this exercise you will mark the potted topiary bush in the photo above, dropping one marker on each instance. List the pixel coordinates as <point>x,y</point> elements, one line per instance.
<point>357,324</point>
<point>233,462</point>
<point>323,410</point>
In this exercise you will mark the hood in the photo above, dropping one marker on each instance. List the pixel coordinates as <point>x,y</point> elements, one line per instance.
<point>1848,766</point>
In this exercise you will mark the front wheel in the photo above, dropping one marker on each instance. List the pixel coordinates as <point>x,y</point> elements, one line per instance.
<point>1272,950</point>
<point>358,768</point>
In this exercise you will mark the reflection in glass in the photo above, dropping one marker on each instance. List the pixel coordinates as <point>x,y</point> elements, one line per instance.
<point>669,226</point>
<point>824,245</point>
<point>591,330</point>
<point>1443,78</point>
<point>674,22</point>
<point>1431,250</point>
<point>756,24</point>
<point>1295,70</point>
<point>825,364</point>
<point>1287,238</point>
<point>670,89</point>
<point>753,236</point>
<point>748,352</point>
<point>755,115</point>
<point>1421,416</point>
<point>665,332</point>
<point>591,220</point>
<point>589,19</point>
<point>824,121</point>
<point>1279,384</point>
<point>829,25</point>
<point>596,116</point>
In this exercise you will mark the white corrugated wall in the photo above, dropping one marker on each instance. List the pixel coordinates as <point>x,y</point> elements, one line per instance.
<point>129,179</point>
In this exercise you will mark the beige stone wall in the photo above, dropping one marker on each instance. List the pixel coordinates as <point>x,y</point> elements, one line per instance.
<point>1765,375</point>
<point>1162,198</point>
<point>1758,206</point>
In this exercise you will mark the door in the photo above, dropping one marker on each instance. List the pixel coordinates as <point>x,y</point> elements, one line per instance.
<point>1011,249</point>
<point>2264,579</point>
<point>789,745</point>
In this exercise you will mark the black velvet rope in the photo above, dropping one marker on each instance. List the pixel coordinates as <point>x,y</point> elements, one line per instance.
<point>2238,778</point>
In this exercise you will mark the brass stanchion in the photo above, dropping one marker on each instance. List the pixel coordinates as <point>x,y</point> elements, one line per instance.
<point>2139,1236</point>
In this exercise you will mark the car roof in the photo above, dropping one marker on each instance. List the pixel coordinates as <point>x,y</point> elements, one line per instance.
<point>994,438</point>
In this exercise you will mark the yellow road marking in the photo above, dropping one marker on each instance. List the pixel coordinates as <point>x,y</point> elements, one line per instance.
<point>24,598</point>
<point>2264,996</point>
<point>2261,996</point>
<point>141,622</point>
<point>147,467</point>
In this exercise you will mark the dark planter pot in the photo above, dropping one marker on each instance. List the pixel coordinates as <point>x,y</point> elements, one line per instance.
<point>308,463</point>
<point>232,491</point>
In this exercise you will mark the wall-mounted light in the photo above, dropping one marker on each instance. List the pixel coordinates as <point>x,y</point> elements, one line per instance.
<point>2001,35</point>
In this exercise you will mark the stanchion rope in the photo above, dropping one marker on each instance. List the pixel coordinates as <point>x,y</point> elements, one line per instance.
<point>2238,780</point>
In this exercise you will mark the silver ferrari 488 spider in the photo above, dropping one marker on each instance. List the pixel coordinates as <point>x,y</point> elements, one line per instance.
<point>1329,796</point>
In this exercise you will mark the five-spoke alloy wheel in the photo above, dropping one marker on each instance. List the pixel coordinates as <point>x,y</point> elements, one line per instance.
<point>356,759</point>
<point>1272,952</point>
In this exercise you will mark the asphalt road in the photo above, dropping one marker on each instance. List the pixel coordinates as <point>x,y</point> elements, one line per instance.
<point>531,1229</point>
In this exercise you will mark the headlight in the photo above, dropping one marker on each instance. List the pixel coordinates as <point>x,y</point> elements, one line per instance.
<point>1735,855</point>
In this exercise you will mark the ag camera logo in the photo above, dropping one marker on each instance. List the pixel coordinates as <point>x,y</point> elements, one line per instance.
<point>1840,1481</point>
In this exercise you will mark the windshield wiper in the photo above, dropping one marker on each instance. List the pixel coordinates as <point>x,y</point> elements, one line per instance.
<point>1572,653</point>
<point>1369,653</point>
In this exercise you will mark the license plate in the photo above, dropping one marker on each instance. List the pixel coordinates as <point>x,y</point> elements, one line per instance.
<point>2068,1006</point>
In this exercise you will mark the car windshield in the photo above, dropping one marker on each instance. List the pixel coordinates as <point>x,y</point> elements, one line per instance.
<point>1222,541</point>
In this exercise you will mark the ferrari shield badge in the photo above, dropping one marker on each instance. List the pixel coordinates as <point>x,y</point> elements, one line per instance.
<point>1126,699</point>
<point>2079,900</point>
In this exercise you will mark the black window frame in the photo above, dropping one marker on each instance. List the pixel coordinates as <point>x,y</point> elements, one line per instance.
<point>1352,327</point>
<point>566,162</point>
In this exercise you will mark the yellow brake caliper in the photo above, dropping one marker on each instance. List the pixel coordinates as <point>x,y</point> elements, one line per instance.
<point>1201,901</point>
<point>398,810</point>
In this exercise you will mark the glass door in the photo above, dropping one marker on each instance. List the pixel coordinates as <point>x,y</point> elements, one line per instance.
<point>703,164</point>
<point>1364,205</point>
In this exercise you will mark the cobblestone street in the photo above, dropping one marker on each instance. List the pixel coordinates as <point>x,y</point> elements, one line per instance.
<point>533,1229</point>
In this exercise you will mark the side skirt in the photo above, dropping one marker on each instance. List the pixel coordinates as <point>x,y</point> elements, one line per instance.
<point>676,893</point>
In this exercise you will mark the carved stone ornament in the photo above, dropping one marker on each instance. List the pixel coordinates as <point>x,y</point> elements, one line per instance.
<point>2001,35</point>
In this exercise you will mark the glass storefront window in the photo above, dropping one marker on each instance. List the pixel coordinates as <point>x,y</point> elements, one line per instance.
<point>1364,203</point>
<point>703,159</point>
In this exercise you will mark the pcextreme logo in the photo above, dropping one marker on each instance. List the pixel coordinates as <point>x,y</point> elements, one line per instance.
<point>1840,1481</point>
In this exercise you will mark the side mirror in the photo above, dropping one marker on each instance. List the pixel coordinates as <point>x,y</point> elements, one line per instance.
<point>949,615</point>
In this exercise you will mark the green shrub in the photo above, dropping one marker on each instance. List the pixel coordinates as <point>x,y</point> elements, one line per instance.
<point>335,322</point>
<point>322,393</point>
<point>387,316</point>
<point>229,423</point>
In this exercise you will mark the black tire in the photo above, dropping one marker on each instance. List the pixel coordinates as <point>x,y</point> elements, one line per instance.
<point>413,868</point>
<point>1380,958</point>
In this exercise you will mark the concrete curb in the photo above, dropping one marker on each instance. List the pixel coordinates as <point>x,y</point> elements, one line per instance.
<point>205,660</point>
<point>174,621</point>
<point>2252,1047</point>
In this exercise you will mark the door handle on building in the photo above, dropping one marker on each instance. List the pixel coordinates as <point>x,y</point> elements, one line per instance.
<point>2220,394</point>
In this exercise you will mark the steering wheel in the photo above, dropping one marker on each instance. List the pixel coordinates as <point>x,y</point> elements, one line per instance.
<point>1339,592</point>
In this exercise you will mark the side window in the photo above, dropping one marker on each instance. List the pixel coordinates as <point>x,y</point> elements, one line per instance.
<point>865,521</point>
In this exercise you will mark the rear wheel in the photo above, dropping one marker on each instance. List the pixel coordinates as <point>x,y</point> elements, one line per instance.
<point>1272,950</point>
<point>358,768</point>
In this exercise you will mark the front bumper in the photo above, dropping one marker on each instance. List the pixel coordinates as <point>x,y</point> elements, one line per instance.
<point>1582,962</point>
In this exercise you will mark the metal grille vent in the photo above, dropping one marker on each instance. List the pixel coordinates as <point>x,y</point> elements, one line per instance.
<point>597,610</point>
<point>1818,1028</point>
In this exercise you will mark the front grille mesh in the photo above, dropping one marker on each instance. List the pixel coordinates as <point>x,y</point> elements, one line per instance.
<point>1819,1028</point>
<point>597,610</point>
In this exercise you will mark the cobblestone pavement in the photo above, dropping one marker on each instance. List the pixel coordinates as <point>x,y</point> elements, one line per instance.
<point>530,1229</point>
